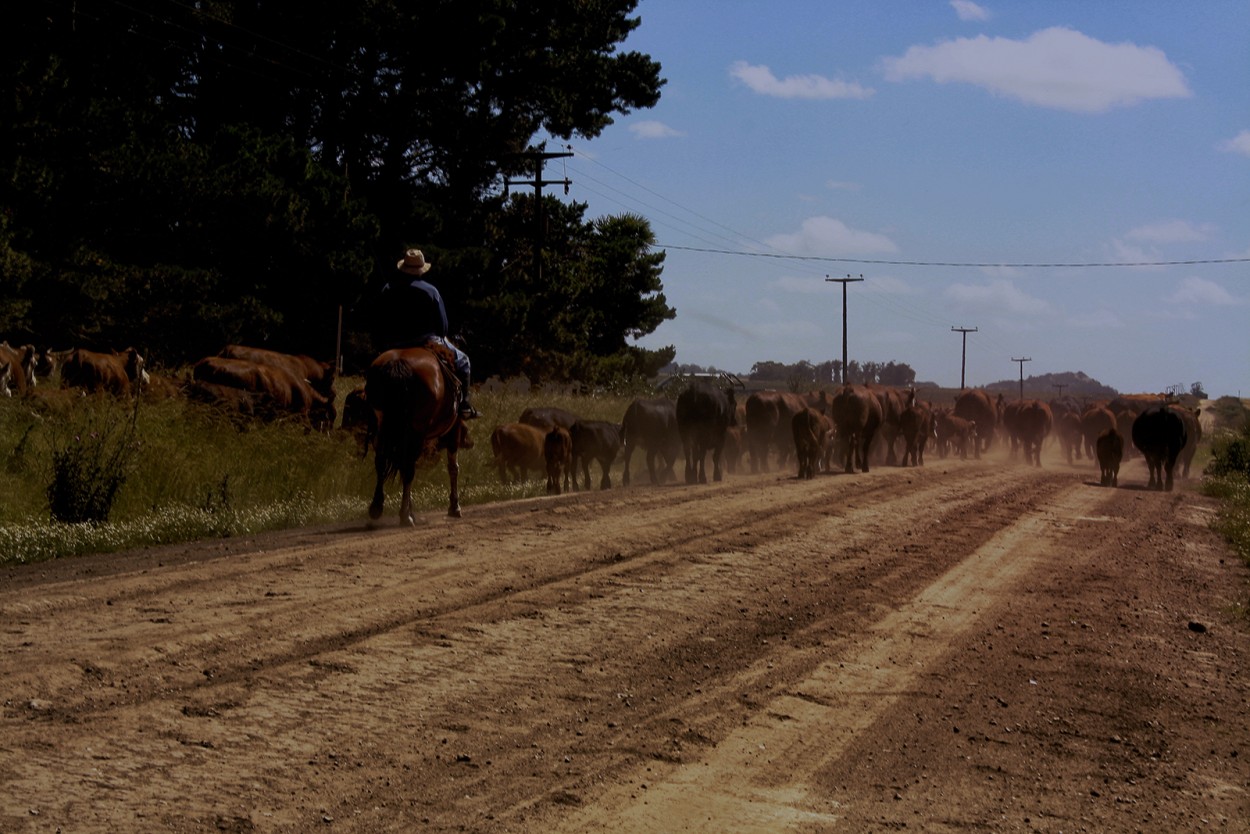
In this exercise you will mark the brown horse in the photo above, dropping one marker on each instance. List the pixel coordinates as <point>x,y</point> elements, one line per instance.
<point>414,394</point>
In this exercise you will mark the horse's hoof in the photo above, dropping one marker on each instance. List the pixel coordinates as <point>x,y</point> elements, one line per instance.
<point>408,520</point>
<point>454,512</point>
<point>375,511</point>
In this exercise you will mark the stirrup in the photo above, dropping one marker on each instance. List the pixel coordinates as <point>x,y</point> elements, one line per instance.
<point>468,412</point>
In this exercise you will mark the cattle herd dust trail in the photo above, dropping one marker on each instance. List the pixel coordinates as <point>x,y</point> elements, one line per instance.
<point>966,646</point>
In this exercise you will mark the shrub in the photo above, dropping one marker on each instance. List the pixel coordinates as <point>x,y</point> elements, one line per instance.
<point>90,462</point>
<point>1230,454</point>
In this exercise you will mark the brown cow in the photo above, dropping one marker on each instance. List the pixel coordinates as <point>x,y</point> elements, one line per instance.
<point>976,406</point>
<point>518,448</point>
<point>289,394</point>
<point>916,426</point>
<point>735,443</point>
<point>558,452</point>
<point>18,365</point>
<point>769,416</point>
<point>320,375</point>
<point>893,401</point>
<point>856,413</point>
<point>113,373</point>
<point>1193,434</point>
<point>956,433</point>
<point>811,435</point>
<point>234,402</point>
<point>1068,429</point>
<point>1033,423</point>
<point>1094,421</point>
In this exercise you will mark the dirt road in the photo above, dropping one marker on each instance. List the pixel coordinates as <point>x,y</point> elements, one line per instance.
<point>964,647</point>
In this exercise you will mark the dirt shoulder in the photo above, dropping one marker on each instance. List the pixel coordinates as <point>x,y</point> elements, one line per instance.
<point>966,646</point>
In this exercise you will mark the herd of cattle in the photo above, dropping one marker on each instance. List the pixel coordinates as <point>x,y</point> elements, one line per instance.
<point>246,381</point>
<point>852,427</point>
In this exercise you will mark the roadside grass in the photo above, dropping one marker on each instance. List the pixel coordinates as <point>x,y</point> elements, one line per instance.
<point>1227,478</point>
<point>186,472</point>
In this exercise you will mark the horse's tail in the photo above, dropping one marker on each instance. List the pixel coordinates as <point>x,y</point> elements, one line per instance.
<point>390,389</point>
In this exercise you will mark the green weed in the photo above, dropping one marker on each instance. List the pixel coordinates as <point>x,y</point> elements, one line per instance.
<point>169,470</point>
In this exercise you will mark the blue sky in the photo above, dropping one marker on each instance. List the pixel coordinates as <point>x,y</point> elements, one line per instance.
<point>801,139</point>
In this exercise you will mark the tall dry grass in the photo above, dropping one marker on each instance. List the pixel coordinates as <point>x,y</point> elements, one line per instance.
<point>187,472</point>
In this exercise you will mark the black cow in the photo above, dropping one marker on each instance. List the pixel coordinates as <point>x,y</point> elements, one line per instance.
<point>548,417</point>
<point>595,440</point>
<point>1159,434</point>
<point>652,425</point>
<point>1110,449</point>
<point>704,412</point>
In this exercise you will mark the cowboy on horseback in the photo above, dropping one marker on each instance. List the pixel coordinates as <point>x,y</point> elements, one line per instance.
<point>416,307</point>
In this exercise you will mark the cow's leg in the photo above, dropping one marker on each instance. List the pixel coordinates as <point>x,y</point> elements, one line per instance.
<point>629,451</point>
<point>651,453</point>
<point>453,478</point>
<point>717,473</point>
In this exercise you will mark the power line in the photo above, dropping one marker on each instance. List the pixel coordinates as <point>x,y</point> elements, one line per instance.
<point>1056,265</point>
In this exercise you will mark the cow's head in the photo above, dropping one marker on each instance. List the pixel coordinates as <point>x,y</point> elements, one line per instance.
<point>134,367</point>
<point>26,357</point>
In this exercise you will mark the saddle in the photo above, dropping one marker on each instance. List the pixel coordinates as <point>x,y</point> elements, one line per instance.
<point>447,362</point>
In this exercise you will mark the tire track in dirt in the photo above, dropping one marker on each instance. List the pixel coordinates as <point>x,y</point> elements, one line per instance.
<point>288,605</point>
<point>755,780</point>
<point>445,668</point>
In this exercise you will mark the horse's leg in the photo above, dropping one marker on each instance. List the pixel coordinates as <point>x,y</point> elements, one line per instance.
<point>453,476</point>
<point>375,508</point>
<point>406,472</point>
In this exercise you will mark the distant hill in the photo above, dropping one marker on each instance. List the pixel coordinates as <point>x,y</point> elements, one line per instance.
<point>1076,384</point>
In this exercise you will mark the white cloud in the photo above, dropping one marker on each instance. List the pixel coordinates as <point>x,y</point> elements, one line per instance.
<point>1195,290</point>
<point>890,285</point>
<point>998,297</point>
<point>1238,144</point>
<point>1097,320</point>
<point>967,10</point>
<point>653,130</point>
<point>1171,231</point>
<point>760,79</point>
<point>805,285</point>
<point>1056,67</point>
<point>838,185</point>
<point>1127,253</point>
<point>831,237</point>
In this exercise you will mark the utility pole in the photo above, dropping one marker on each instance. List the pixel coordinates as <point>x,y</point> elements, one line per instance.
<point>1060,386</point>
<point>964,357</point>
<point>539,158</point>
<point>1022,361</point>
<point>844,281</point>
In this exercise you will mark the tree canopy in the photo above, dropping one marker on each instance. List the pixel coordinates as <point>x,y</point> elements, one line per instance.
<point>178,175</point>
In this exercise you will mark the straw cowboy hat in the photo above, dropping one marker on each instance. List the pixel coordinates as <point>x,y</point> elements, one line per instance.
<point>413,263</point>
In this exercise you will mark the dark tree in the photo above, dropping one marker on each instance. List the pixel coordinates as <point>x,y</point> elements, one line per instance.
<point>177,174</point>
